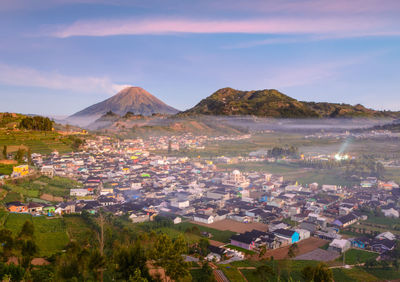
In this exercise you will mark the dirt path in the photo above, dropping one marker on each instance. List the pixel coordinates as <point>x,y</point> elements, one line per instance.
<point>234,226</point>
<point>305,246</point>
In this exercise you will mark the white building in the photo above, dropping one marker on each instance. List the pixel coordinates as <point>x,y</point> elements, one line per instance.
<point>180,204</point>
<point>339,245</point>
<point>208,219</point>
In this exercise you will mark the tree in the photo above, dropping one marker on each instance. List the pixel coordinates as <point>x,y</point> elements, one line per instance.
<point>28,251</point>
<point>293,250</point>
<point>203,246</point>
<point>264,272</point>
<point>137,277</point>
<point>206,273</point>
<point>319,273</point>
<point>168,255</point>
<point>7,242</point>
<point>262,252</point>
<point>29,156</point>
<point>128,259</point>
<point>97,262</point>
<point>19,156</point>
<point>5,151</point>
<point>27,230</point>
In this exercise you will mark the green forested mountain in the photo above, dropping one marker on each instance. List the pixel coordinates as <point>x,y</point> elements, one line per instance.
<point>272,103</point>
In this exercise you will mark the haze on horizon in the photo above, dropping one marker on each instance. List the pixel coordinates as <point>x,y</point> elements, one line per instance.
<point>60,56</point>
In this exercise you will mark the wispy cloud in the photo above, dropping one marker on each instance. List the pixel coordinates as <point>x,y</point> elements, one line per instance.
<point>327,26</point>
<point>25,76</point>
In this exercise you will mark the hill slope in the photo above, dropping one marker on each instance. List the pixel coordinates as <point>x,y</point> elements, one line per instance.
<point>130,99</point>
<point>272,103</point>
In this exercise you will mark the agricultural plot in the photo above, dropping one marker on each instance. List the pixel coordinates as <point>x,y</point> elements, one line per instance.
<point>232,273</point>
<point>50,235</point>
<point>77,228</point>
<point>38,141</point>
<point>355,256</point>
<point>15,222</point>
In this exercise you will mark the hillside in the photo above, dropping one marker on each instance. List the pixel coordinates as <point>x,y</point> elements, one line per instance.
<point>131,99</point>
<point>16,132</point>
<point>272,103</point>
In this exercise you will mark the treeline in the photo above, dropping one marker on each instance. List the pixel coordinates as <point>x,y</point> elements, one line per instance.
<point>278,152</point>
<point>36,123</point>
<point>364,166</point>
<point>110,251</point>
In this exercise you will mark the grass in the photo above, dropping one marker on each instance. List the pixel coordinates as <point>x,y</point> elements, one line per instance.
<point>50,235</point>
<point>196,275</point>
<point>15,222</point>
<point>248,252</point>
<point>384,274</point>
<point>38,141</point>
<point>232,273</point>
<point>35,187</point>
<point>12,197</point>
<point>355,256</point>
<point>218,235</point>
<point>77,228</point>
<point>6,169</point>
<point>3,217</point>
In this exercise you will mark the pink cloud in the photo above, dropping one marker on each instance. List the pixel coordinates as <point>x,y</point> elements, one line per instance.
<point>332,25</point>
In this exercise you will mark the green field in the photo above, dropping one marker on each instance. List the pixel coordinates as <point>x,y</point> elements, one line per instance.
<point>232,273</point>
<point>38,141</point>
<point>22,190</point>
<point>355,256</point>
<point>15,222</point>
<point>6,169</point>
<point>50,234</point>
<point>77,228</point>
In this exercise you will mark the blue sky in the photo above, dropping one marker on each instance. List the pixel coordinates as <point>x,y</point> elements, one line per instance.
<point>60,56</point>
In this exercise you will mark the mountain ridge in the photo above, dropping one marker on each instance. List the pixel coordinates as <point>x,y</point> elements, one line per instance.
<point>272,103</point>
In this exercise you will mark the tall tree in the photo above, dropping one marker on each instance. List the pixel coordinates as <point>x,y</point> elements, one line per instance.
<point>319,273</point>
<point>5,151</point>
<point>168,255</point>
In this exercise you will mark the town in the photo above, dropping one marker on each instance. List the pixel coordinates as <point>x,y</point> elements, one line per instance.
<point>265,212</point>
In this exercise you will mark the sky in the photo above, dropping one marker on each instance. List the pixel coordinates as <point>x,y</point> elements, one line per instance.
<point>60,56</point>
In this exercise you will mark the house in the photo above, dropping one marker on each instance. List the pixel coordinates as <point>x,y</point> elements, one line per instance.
<point>35,207</point>
<point>17,207</point>
<point>287,235</point>
<point>339,245</point>
<point>180,204</point>
<point>221,215</point>
<point>382,245</point>
<point>79,192</point>
<point>208,219</point>
<point>346,220</point>
<point>139,217</point>
<point>254,239</point>
<point>177,220</point>
<point>47,170</point>
<point>20,171</point>
<point>49,209</point>
<point>65,208</point>
<point>391,213</point>
<point>303,233</point>
<point>386,235</point>
<point>361,242</point>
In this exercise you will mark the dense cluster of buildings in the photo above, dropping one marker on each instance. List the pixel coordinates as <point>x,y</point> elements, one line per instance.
<point>125,178</point>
